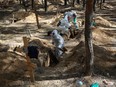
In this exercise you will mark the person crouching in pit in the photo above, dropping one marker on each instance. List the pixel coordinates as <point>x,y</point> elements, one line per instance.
<point>64,26</point>
<point>58,42</point>
<point>71,17</point>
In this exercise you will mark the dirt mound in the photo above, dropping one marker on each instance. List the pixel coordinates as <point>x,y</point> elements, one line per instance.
<point>99,35</point>
<point>100,21</point>
<point>16,16</point>
<point>4,48</point>
<point>103,58</point>
<point>102,36</point>
<point>12,67</point>
<point>28,19</point>
<point>41,42</point>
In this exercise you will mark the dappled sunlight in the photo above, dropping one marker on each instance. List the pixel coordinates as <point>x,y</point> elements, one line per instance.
<point>16,23</point>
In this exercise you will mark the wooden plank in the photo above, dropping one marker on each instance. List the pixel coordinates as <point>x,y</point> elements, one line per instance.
<point>29,64</point>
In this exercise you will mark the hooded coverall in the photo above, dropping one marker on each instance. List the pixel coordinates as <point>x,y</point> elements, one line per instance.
<point>64,25</point>
<point>58,42</point>
<point>71,17</point>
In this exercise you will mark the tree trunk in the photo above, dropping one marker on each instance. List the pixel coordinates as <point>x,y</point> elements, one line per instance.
<point>97,1</point>
<point>89,61</point>
<point>73,4</point>
<point>104,1</point>
<point>35,11</point>
<point>65,2</point>
<point>100,4</point>
<point>45,5</point>
<point>24,4</point>
<point>84,2</point>
<point>57,8</point>
<point>94,3</point>
<point>20,1</point>
<point>32,4</point>
<point>78,1</point>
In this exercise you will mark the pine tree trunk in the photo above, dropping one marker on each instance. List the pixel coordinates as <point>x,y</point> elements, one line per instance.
<point>97,1</point>
<point>37,20</point>
<point>57,8</point>
<point>32,4</point>
<point>84,2</point>
<point>73,4</point>
<point>65,2</point>
<point>94,3</point>
<point>104,1</point>
<point>89,61</point>
<point>78,1</point>
<point>24,4</point>
<point>101,4</point>
<point>20,1</point>
<point>45,5</point>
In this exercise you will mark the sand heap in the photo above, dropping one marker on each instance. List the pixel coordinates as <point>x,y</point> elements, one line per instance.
<point>100,21</point>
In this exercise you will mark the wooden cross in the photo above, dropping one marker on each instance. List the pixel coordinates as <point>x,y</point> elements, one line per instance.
<point>29,64</point>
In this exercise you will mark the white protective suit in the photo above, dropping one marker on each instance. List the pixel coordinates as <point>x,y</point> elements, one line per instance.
<point>64,25</point>
<point>69,16</point>
<point>58,42</point>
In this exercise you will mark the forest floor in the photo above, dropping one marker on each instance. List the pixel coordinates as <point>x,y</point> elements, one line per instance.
<point>13,71</point>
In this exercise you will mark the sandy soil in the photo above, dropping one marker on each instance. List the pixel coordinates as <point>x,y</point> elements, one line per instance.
<point>14,72</point>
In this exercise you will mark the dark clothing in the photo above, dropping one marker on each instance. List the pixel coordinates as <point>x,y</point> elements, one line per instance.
<point>33,52</point>
<point>53,59</point>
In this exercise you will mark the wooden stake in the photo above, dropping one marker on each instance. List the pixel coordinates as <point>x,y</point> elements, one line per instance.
<point>29,64</point>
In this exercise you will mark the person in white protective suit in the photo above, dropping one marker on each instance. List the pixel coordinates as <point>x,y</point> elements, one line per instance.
<point>71,16</point>
<point>64,25</point>
<point>58,41</point>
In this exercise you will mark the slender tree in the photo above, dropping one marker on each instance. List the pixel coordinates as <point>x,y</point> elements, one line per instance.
<point>104,1</point>
<point>20,1</point>
<point>101,4</point>
<point>32,4</point>
<point>94,4</point>
<point>36,15</point>
<point>45,5</point>
<point>65,2</point>
<point>57,8</point>
<point>97,1</point>
<point>24,4</point>
<point>89,61</point>
<point>84,2</point>
<point>73,4</point>
<point>78,1</point>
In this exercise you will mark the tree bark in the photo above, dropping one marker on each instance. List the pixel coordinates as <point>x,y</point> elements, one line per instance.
<point>101,4</point>
<point>78,1</point>
<point>94,3</point>
<point>97,1</point>
<point>35,11</point>
<point>20,1</point>
<point>24,4</point>
<point>104,1</point>
<point>65,2</point>
<point>45,5</point>
<point>84,2</point>
<point>32,4</point>
<point>57,8</point>
<point>73,4</point>
<point>89,61</point>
